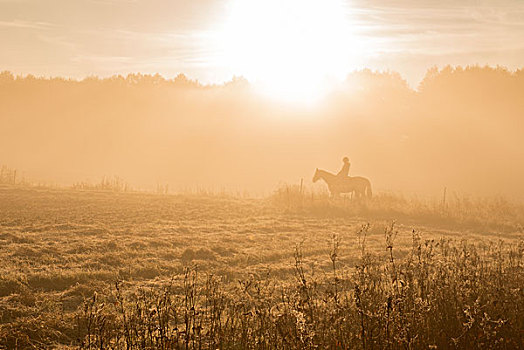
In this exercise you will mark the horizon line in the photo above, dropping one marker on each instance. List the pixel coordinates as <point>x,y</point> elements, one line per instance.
<point>242,78</point>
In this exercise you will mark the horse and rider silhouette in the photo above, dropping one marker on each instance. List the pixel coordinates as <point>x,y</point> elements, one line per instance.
<point>343,183</point>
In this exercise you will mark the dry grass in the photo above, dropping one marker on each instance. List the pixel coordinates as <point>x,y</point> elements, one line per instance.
<point>455,211</point>
<point>131,270</point>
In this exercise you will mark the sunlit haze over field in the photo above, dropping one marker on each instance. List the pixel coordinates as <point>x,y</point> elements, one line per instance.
<point>247,95</point>
<point>261,174</point>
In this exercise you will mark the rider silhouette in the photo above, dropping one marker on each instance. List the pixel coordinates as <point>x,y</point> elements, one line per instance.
<point>344,172</point>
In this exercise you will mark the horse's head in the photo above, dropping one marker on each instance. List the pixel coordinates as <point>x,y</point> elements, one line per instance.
<point>316,177</point>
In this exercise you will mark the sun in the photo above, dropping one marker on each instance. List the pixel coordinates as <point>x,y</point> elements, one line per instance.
<point>290,49</point>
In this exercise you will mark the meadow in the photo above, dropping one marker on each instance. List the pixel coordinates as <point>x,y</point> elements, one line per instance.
<point>296,270</point>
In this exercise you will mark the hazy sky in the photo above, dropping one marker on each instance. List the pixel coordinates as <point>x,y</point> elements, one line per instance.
<point>78,38</point>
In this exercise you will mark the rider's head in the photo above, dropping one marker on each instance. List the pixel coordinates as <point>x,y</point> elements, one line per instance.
<point>345,160</point>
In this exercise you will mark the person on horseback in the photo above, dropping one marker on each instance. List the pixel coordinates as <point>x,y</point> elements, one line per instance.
<point>344,172</point>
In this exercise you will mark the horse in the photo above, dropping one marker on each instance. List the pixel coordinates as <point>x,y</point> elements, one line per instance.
<point>357,184</point>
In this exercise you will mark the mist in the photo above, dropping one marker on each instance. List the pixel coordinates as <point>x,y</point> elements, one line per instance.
<point>460,129</point>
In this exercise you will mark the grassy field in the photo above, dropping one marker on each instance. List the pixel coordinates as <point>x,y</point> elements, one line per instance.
<point>134,270</point>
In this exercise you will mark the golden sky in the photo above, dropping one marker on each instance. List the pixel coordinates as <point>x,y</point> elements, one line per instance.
<point>212,40</point>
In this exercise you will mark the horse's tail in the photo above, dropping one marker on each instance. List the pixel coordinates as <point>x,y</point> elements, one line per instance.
<point>368,190</point>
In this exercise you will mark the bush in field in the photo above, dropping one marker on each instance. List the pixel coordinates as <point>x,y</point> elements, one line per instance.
<point>7,175</point>
<point>115,184</point>
<point>443,294</point>
<point>289,196</point>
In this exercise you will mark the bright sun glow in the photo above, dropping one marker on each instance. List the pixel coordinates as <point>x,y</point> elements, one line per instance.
<point>291,49</point>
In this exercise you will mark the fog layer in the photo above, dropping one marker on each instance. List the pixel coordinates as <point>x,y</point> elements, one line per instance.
<point>462,129</point>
